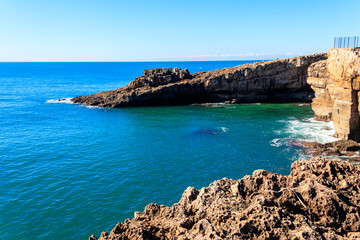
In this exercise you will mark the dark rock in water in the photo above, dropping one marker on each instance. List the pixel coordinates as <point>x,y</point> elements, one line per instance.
<point>350,154</point>
<point>209,131</point>
<point>344,145</point>
<point>337,148</point>
<point>320,199</point>
<point>269,81</point>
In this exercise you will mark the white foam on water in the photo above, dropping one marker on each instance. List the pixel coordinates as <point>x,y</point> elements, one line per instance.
<point>278,132</point>
<point>277,142</point>
<point>310,130</point>
<point>302,104</point>
<point>215,105</point>
<point>92,106</point>
<point>300,156</point>
<point>307,129</point>
<point>251,103</point>
<point>61,100</point>
<point>68,101</point>
<point>224,129</point>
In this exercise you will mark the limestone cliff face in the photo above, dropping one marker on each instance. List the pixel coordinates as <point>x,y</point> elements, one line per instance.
<point>334,77</point>
<point>336,83</point>
<point>318,200</point>
<point>271,81</point>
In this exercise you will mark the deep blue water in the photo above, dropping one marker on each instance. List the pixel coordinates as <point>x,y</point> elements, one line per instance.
<point>68,171</point>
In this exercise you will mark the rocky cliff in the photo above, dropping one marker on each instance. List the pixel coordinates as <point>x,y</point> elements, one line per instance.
<point>271,81</point>
<point>336,83</point>
<point>334,77</point>
<point>320,199</point>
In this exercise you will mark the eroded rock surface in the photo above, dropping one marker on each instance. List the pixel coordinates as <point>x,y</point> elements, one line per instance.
<point>159,76</point>
<point>319,200</point>
<point>336,83</point>
<point>345,149</point>
<point>271,81</point>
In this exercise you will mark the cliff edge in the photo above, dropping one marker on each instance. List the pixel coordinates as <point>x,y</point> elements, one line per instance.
<point>320,199</point>
<point>281,80</point>
<point>336,83</point>
<point>331,81</point>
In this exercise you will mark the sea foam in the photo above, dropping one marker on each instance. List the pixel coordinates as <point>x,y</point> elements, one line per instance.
<point>307,129</point>
<point>224,129</point>
<point>311,130</point>
<point>61,100</point>
<point>214,105</point>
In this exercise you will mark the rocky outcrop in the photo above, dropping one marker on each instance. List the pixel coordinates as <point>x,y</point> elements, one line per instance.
<point>320,199</point>
<point>336,83</point>
<point>159,76</point>
<point>270,81</point>
<point>345,149</point>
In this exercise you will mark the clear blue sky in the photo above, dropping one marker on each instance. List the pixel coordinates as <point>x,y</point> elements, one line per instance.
<point>162,30</point>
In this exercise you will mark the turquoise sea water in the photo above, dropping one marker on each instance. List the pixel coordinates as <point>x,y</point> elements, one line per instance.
<point>68,171</point>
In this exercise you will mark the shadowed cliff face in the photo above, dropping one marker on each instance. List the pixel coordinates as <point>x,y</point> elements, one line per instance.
<point>336,83</point>
<point>271,81</point>
<point>318,200</point>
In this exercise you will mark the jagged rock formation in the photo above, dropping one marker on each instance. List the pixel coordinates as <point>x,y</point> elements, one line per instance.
<point>320,199</point>
<point>159,76</point>
<point>272,81</point>
<point>346,149</point>
<point>336,83</point>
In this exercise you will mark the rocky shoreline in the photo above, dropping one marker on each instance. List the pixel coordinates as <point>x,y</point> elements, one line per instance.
<point>347,150</point>
<point>282,80</point>
<point>330,81</point>
<point>320,199</point>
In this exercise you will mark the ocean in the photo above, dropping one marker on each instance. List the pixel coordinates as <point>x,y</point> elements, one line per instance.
<point>68,171</point>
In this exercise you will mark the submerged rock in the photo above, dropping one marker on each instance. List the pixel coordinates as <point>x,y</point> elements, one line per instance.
<point>319,200</point>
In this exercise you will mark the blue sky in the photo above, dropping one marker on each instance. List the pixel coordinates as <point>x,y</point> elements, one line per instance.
<point>164,30</point>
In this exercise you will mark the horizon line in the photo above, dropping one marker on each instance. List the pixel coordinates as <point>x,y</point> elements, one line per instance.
<point>193,58</point>
<point>222,60</point>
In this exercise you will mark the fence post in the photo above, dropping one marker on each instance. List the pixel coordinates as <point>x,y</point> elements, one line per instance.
<point>347,42</point>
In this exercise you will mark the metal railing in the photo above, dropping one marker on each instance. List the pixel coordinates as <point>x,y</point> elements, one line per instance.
<point>346,42</point>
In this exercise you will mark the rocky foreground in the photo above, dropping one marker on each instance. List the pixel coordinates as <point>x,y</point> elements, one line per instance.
<point>320,199</point>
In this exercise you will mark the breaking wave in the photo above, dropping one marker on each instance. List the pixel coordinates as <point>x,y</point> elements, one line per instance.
<point>310,130</point>
<point>307,129</point>
<point>223,129</point>
<point>61,100</point>
<point>215,105</point>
